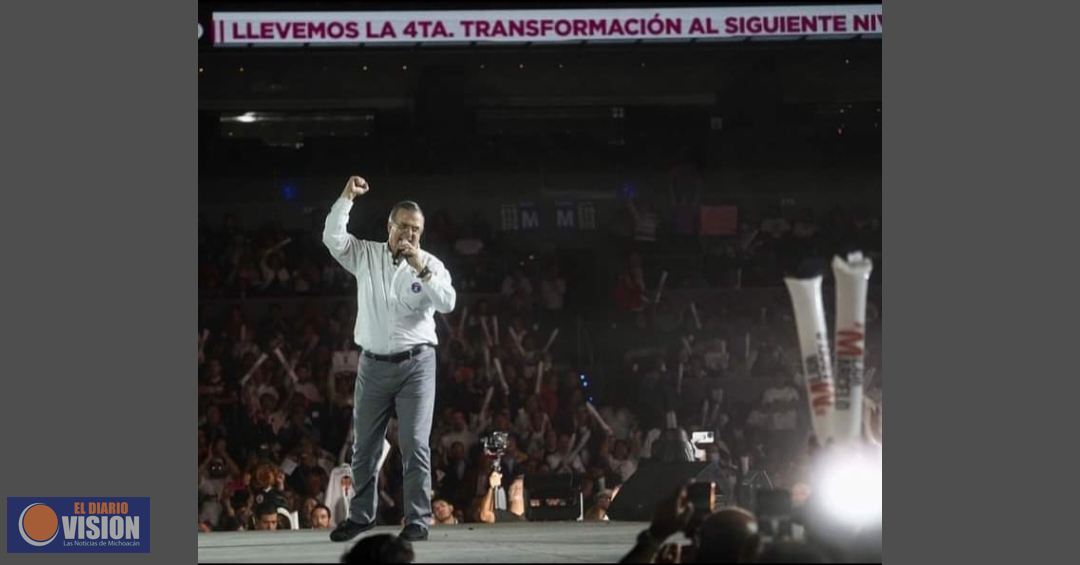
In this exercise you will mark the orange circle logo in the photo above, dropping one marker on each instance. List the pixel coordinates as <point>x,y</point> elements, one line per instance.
<point>38,524</point>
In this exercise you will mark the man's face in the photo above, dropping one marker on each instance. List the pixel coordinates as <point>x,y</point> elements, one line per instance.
<point>442,510</point>
<point>267,522</point>
<point>406,225</point>
<point>320,519</point>
<point>517,489</point>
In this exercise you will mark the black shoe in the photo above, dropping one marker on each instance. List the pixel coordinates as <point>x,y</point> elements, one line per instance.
<point>414,532</point>
<point>348,530</point>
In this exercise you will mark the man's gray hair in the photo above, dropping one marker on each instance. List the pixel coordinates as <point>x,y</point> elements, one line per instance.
<point>404,205</point>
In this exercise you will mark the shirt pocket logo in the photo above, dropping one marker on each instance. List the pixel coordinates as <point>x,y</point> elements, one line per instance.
<point>415,287</point>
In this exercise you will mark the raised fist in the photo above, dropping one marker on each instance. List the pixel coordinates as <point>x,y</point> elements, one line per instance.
<point>356,186</point>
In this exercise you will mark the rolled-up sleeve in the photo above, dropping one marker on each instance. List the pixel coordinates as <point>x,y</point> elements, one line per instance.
<point>439,288</point>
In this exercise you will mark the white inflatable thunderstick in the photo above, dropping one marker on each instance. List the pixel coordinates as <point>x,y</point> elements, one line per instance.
<point>852,280</point>
<point>814,348</point>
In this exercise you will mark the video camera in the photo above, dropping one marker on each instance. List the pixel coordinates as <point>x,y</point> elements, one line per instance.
<point>495,446</point>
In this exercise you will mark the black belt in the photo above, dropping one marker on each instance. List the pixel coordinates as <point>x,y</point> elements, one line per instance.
<point>398,357</point>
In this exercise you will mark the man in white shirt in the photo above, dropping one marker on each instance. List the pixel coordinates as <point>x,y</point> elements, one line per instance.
<point>399,288</point>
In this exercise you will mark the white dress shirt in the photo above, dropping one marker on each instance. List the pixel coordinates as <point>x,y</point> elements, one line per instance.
<point>395,309</point>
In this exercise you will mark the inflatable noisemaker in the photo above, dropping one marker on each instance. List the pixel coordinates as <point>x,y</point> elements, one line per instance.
<point>852,279</point>
<point>814,351</point>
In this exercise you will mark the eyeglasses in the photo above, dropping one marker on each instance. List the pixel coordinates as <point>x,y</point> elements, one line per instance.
<point>411,229</point>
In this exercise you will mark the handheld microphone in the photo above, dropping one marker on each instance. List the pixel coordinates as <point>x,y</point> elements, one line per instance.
<point>399,254</point>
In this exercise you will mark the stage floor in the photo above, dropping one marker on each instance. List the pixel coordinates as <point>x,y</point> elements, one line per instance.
<point>544,542</point>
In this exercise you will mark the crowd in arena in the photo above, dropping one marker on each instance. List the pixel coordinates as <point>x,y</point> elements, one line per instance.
<point>277,369</point>
<point>238,261</point>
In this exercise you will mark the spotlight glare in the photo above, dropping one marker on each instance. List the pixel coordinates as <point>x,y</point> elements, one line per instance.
<point>849,486</point>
